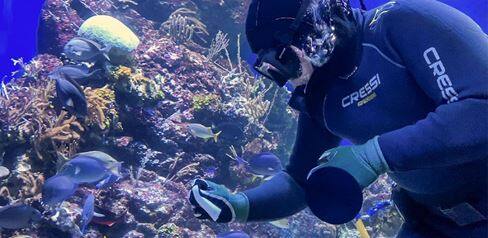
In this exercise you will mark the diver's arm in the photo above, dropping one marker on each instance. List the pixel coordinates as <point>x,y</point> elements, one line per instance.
<point>447,54</point>
<point>283,195</point>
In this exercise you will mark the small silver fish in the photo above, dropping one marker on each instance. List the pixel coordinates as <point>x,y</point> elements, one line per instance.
<point>85,50</point>
<point>4,172</point>
<point>282,223</point>
<point>201,131</point>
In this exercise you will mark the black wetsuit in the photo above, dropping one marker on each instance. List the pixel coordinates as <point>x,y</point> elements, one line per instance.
<point>422,86</point>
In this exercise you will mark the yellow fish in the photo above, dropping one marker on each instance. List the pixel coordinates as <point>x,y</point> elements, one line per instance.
<point>201,131</point>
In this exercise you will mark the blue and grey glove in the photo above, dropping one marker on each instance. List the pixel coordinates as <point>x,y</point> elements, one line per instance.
<point>364,162</point>
<point>334,188</point>
<point>216,202</point>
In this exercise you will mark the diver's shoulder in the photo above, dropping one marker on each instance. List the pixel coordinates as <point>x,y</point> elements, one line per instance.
<point>398,15</point>
<point>405,11</point>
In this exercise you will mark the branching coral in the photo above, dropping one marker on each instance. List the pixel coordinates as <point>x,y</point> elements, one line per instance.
<point>101,107</point>
<point>256,108</point>
<point>32,184</point>
<point>24,185</point>
<point>31,69</point>
<point>30,117</point>
<point>28,110</point>
<point>63,130</point>
<point>59,135</point>
<point>246,93</point>
<point>183,26</point>
<point>190,169</point>
<point>220,43</point>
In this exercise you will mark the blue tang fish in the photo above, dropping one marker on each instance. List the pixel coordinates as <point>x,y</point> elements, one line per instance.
<point>85,50</point>
<point>77,73</point>
<point>233,234</point>
<point>18,216</point>
<point>57,189</point>
<point>84,169</point>
<point>108,161</point>
<point>88,211</point>
<point>265,163</point>
<point>71,96</point>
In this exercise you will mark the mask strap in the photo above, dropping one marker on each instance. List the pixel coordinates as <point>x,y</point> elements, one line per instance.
<point>286,38</point>
<point>302,12</point>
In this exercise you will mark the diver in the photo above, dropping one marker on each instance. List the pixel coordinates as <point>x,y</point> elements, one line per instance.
<point>405,82</point>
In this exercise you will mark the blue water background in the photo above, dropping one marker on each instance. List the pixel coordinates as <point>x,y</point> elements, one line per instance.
<point>19,21</point>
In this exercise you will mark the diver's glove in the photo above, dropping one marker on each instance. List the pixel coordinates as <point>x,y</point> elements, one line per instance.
<point>334,188</point>
<point>364,162</point>
<point>216,202</point>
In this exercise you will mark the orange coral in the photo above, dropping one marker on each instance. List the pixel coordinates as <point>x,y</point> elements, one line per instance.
<point>101,104</point>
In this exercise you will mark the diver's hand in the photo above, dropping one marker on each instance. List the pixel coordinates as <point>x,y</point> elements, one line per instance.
<point>364,162</point>
<point>306,68</point>
<point>216,202</point>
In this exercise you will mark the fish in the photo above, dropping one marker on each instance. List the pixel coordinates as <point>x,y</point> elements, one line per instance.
<point>231,131</point>
<point>201,131</point>
<point>106,217</point>
<point>241,162</point>
<point>106,182</point>
<point>233,234</point>
<point>71,97</point>
<point>210,172</point>
<point>85,50</point>
<point>265,163</point>
<point>77,73</point>
<point>84,169</point>
<point>4,172</point>
<point>108,161</point>
<point>378,207</point>
<point>57,189</point>
<point>18,216</point>
<point>87,213</point>
<point>282,223</point>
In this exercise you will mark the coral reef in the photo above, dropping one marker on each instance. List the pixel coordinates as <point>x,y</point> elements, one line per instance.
<point>136,111</point>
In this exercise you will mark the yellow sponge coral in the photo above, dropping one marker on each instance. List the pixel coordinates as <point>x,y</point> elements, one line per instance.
<point>110,32</point>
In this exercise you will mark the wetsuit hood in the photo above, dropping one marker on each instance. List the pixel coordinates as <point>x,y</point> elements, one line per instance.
<point>314,26</point>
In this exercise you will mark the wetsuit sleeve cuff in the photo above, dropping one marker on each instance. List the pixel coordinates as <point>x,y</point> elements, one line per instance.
<point>241,207</point>
<point>375,156</point>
